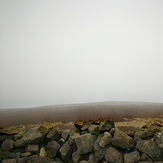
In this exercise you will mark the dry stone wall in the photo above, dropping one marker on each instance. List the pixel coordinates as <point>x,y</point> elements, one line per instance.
<point>94,141</point>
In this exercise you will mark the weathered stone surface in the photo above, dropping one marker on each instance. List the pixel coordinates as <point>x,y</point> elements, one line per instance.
<point>8,161</point>
<point>132,157</point>
<point>26,154</point>
<point>83,161</point>
<point>93,158</point>
<point>85,143</point>
<point>35,159</point>
<point>28,138</point>
<point>94,129</point>
<point>76,157</point>
<point>43,152</point>
<point>7,154</point>
<point>113,156</point>
<point>7,145</point>
<point>54,134</point>
<point>52,148</point>
<point>150,148</point>
<point>65,134</point>
<point>159,139</point>
<point>145,157</point>
<point>106,125</point>
<point>105,139</point>
<point>122,140</point>
<point>34,148</point>
<point>65,152</point>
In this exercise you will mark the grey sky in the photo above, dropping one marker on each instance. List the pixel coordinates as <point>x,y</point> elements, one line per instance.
<point>70,51</point>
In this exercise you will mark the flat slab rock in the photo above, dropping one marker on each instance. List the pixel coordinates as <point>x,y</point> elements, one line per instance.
<point>95,141</point>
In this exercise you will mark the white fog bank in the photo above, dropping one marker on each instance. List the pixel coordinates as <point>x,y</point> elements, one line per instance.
<point>61,52</point>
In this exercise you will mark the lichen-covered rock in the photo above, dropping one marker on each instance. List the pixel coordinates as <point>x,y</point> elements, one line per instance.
<point>85,143</point>
<point>30,137</point>
<point>105,139</point>
<point>106,125</point>
<point>65,152</point>
<point>122,140</point>
<point>114,156</point>
<point>52,148</point>
<point>159,139</point>
<point>150,148</point>
<point>94,129</point>
<point>132,157</point>
<point>7,154</point>
<point>145,157</point>
<point>7,145</point>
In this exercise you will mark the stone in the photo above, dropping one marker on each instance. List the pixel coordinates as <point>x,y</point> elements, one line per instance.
<point>65,152</point>
<point>26,154</point>
<point>7,154</point>
<point>93,158</point>
<point>54,134</point>
<point>58,160</point>
<point>94,129</point>
<point>7,145</point>
<point>85,143</point>
<point>132,157</point>
<point>32,148</point>
<point>43,152</point>
<point>114,156</point>
<point>76,157</point>
<point>45,127</point>
<point>105,139</point>
<point>30,137</point>
<point>145,157</point>
<point>52,148</point>
<point>122,140</point>
<point>106,125</point>
<point>83,161</point>
<point>35,159</point>
<point>8,161</point>
<point>65,134</point>
<point>99,152</point>
<point>150,148</point>
<point>159,139</point>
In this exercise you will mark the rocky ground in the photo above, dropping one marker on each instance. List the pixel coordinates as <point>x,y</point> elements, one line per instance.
<point>94,141</point>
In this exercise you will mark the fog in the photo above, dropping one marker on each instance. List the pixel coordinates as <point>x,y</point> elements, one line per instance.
<point>62,52</point>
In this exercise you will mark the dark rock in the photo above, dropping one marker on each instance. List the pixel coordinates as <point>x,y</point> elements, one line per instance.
<point>122,140</point>
<point>32,148</point>
<point>150,148</point>
<point>132,157</point>
<point>65,152</point>
<point>83,161</point>
<point>8,161</point>
<point>30,137</point>
<point>7,154</point>
<point>7,145</point>
<point>93,158</point>
<point>57,160</point>
<point>85,143</point>
<point>54,134</point>
<point>52,148</point>
<point>113,156</point>
<point>106,125</point>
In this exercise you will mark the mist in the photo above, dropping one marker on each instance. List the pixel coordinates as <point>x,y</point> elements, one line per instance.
<point>63,52</point>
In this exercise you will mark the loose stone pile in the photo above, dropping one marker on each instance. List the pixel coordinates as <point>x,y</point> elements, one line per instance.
<point>97,141</point>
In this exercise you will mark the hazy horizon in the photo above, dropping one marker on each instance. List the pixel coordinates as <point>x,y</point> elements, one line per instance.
<point>63,52</point>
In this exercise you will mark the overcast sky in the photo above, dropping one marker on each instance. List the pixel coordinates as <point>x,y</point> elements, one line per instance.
<point>73,51</point>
